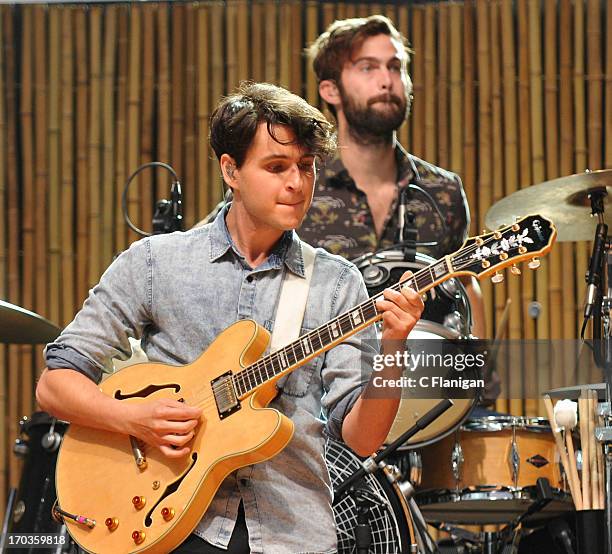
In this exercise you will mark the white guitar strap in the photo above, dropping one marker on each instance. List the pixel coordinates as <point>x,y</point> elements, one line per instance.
<point>292,302</point>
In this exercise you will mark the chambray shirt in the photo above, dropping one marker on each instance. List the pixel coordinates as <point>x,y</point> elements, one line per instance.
<point>176,293</point>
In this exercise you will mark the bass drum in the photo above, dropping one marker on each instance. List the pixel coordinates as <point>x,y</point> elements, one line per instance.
<point>389,519</point>
<point>444,329</point>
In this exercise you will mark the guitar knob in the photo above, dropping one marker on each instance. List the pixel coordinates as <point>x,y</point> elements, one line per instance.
<point>515,270</point>
<point>139,502</point>
<point>139,536</point>
<point>534,263</point>
<point>497,278</point>
<point>167,513</point>
<point>111,523</point>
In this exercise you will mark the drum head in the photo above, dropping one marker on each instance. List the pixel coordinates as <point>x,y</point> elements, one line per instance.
<point>429,336</point>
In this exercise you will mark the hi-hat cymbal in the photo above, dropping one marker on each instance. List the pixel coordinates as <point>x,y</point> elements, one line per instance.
<point>21,326</point>
<point>565,201</point>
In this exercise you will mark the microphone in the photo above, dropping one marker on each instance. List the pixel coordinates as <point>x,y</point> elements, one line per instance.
<point>593,276</point>
<point>402,211</point>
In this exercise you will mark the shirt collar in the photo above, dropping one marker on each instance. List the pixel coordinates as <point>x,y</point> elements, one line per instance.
<point>336,174</point>
<point>288,250</point>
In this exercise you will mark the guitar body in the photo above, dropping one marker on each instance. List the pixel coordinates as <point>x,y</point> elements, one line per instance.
<point>97,476</point>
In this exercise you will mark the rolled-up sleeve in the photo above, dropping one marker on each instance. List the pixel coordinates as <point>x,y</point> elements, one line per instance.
<point>347,367</point>
<point>117,308</point>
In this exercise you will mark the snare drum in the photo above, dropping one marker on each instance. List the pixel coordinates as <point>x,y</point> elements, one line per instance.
<point>487,471</point>
<point>446,319</point>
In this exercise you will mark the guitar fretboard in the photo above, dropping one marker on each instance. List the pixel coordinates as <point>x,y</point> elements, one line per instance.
<point>329,334</point>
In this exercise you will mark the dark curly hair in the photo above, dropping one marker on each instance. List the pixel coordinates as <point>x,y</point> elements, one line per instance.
<point>234,122</point>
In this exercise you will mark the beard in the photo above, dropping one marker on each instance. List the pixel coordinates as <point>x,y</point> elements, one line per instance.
<point>377,121</point>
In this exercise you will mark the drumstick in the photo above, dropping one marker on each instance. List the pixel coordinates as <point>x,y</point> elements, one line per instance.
<point>565,416</point>
<point>560,446</point>
<point>593,452</point>
<point>584,443</point>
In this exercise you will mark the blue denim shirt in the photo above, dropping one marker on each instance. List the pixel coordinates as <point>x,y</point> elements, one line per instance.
<point>176,293</point>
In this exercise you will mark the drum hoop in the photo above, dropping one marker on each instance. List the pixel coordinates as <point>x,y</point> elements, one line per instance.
<point>497,423</point>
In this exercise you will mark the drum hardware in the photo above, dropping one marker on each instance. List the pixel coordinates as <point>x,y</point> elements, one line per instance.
<point>12,494</point>
<point>348,486</point>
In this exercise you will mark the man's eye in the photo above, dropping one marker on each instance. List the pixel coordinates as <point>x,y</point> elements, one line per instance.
<point>276,168</point>
<point>395,68</point>
<point>307,168</point>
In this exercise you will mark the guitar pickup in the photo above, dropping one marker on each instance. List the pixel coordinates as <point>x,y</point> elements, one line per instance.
<point>225,395</point>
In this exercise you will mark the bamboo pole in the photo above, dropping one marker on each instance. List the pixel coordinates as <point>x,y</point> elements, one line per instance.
<point>498,190</point>
<point>514,380</point>
<point>4,266</point>
<point>54,228</point>
<point>566,164</point>
<point>216,49</point>
<point>163,87</point>
<point>147,126</point>
<point>271,56</point>
<point>284,53</point>
<point>108,136</point>
<point>312,89</point>
<point>121,174</point>
<point>555,259</point>
<point>484,184</point>
<point>469,107</point>
<point>456,90</point>
<point>66,221</point>
<point>95,145</point>
<point>429,78</point>
<point>82,259</point>
<point>41,179</point>
<point>403,26</point>
<point>608,91</point>
<point>594,80</point>
<point>14,233</point>
<point>443,70</point>
<point>538,175</point>
<point>203,111</point>
<point>297,45</point>
<point>134,114</point>
<point>231,54</point>
<point>179,86</point>
<point>257,41</point>
<point>189,123</point>
<point>418,80</point>
<point>244,61</point>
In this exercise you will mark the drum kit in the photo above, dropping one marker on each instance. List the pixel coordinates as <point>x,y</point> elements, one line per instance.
<point>467,467</point>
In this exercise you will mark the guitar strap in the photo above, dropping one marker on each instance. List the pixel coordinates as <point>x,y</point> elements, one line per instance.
<point>292,302</point>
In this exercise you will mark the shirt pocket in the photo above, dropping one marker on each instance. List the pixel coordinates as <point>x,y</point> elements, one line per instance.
<point>297,382</point>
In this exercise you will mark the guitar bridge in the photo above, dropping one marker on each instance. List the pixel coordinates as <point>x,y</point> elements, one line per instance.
<point>225,395</point>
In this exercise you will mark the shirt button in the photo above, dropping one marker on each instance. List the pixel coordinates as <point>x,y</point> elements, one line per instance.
<point>249,279</point>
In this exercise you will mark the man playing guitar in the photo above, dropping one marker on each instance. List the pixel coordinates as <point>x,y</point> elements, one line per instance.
<point>177,292</point>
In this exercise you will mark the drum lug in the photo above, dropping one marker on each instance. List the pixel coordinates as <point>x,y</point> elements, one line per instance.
<point>514,457</point>
<point>457,460</point>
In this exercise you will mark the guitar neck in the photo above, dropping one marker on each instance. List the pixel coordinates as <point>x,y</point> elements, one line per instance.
<point>330,334</point>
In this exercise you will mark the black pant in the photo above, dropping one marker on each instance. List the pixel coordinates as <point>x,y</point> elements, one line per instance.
<point>239,543</point>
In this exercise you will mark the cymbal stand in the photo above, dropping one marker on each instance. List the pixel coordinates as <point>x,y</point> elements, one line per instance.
<point>599,306</point>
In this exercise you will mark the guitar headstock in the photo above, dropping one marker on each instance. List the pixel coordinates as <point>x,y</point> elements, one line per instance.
<point>526,239</point>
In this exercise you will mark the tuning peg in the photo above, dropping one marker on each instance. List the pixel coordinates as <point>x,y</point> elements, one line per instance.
<point>497,235</point>
<point>515,270</point>
<point>497,278</point>
<point>534,263</point>
<point>516,227</point>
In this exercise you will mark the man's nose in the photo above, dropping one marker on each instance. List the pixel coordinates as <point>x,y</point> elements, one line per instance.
<point>294,178</point>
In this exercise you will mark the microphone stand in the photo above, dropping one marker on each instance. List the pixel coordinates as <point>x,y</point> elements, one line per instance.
<point>374,463</point>
<point>599,306</point>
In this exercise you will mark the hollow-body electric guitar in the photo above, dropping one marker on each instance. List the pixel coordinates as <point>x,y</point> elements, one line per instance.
<point>119,496</point>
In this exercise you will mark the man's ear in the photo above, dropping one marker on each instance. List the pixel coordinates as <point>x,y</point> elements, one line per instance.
<point>228,170</point>
<point>329,92</point>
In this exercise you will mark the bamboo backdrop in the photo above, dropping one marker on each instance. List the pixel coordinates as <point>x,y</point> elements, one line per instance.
<point>506,93</point>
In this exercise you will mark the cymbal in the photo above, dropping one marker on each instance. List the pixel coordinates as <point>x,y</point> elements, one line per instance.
<point>565,201</point>
<point>21,326</point>
<point>573,393</point>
